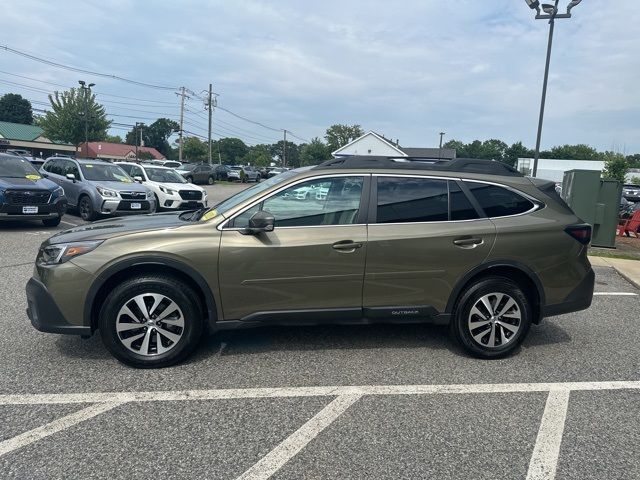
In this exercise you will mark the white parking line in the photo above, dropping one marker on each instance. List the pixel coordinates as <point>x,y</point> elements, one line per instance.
<point>289,448</point>
<point>544,459</point>
<point>69,223</point>
<point>620,294</point>
<point>57,425</point>
<point>329,391</point>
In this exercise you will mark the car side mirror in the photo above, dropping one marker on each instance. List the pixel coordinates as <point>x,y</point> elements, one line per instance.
<point>72,177</point>
<point>138,179</point>
<point>260,222</point>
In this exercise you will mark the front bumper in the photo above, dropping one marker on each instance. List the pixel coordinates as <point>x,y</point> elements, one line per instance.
<point>50,210</point>
<point>579,299</point>
<point>45,315</point>
<point>124,207</point>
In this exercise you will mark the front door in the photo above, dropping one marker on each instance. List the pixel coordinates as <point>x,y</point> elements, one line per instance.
<point>425,234</point>
<point>310,267</point>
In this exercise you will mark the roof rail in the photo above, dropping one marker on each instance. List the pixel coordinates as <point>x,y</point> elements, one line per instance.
<point>469,165</point>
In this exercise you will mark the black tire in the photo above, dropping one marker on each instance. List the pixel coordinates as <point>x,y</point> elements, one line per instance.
<point>459,321</point>
<point>178,292</point>
<point>211,180</point>
<point>189,179</point>
<point>51,222</point>
<point>85,208</point>
<point>158,207</point>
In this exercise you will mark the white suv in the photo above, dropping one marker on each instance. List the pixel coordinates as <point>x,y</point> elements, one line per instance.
<point>170,188</point>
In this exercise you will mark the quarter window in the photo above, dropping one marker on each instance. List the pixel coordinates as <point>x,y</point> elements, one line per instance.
<point>498,201</point>
<point>323,201</point>
<point>405,199</point>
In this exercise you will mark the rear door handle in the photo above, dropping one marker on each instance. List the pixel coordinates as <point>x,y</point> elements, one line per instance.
<point>468,242</point>
<point>346,246</point>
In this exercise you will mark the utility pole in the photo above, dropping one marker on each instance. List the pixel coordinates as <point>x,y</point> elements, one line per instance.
<point>284,150</point>
<point>441,135</point>
<point>138,139</point>
<point>86,91</point>
<point>182,95</point>
<point>210,113</point>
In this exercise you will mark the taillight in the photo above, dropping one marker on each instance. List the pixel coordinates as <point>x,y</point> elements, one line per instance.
<point>581,233</point>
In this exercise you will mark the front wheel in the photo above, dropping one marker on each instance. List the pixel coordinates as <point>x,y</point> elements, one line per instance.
<point>52,222</point>
<point>491,318</point>
<point>211,180</point>
<point>85,207</point>
<point>189,179</point>
<point>151,321</point>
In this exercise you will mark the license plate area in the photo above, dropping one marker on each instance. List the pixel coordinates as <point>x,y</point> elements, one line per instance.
<point>29,210</point>
<point>136,206</point>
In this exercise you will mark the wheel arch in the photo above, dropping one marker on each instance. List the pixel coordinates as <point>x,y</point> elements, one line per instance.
<point>116,273</point>
<point>521,274</point>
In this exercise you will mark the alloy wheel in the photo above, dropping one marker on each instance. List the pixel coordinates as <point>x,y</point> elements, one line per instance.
<point>494,320</point>
<point>150,324</point>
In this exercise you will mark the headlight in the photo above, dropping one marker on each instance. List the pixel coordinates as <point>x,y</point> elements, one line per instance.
<point>62,252</point>
<point>59,192</point>
<point>106,192</point>
<point>168,191</point>
<point>149,194</point>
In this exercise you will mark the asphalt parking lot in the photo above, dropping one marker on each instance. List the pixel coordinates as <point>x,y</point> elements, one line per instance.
<point>327,402</point>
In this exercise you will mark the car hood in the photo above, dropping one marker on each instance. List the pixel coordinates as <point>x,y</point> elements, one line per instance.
<point>26,184</point>
<point>115,227</point>
<point>120,186</point>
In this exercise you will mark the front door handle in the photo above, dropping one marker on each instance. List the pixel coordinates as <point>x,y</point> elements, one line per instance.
<point>468,242</point>
<point>346,246</point>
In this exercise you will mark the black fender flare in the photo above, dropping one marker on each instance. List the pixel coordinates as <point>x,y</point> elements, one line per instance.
<point>486,267</point>
<point>108,273</point>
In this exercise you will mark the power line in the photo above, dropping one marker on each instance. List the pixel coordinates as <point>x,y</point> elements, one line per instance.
<point>81,70</point>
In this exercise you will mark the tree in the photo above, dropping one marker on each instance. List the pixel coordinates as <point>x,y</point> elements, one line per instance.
<point>293,153</point>
<point>66,123</point>
<point>314,152</point>
<point>232,150</point>
<point>14,108</point>
<point>615,166</point>
<point>258,155</point>
<point>113,138</point>
<point>339,135</point>
<point>155,135</point>
<point>572,152</point>
<point>516,151</point>
<point>634,160</point>
<point>194,149</point>
<point>144,155</point>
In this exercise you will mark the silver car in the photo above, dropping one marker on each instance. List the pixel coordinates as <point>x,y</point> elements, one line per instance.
<point>98,188</point>
<point>236,173</point>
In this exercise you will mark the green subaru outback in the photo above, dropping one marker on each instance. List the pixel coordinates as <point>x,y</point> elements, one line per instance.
<point>467,243</point>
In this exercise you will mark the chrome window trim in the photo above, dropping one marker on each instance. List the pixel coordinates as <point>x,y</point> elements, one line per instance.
<point>223,224</point>
<point>537,205</point>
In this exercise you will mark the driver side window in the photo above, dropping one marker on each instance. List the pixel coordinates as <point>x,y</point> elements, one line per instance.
<point>323,201</point>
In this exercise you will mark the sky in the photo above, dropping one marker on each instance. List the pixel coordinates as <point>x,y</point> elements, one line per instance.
<point>407,70</point>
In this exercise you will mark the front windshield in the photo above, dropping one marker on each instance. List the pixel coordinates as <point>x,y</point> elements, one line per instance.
<point>162,175</point>
<point>240,197</point>
<point>104,172</point>
<point>16,167</point>
<point>187,167</point>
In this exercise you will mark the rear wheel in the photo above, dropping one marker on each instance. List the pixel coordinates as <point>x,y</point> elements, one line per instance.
<point>492,317</point>
<point>85,208</point>
<point>52,222</point>
<point>189,179</point>
<point>151,321</point>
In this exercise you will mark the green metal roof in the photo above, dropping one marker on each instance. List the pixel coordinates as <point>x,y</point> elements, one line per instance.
<point>18,131</point>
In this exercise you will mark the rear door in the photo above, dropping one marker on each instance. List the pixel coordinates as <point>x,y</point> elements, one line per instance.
<point>424,235</point>
<point>310,267</point>
<point>71,189</point>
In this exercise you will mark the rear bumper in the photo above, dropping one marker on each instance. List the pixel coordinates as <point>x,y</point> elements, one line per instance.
<point>579,299</point>
<point>45,315</point>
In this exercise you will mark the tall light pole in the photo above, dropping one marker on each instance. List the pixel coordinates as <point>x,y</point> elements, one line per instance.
<point>550,13</point>
<point>138,139</point>
<point>86,91</point>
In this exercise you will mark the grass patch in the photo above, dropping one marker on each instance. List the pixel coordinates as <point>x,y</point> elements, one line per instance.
<point>624,256</point>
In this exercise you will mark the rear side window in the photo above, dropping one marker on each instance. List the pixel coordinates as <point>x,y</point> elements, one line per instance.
<point>404,199</point>
<point>498,201</point>
<point>461,208</point>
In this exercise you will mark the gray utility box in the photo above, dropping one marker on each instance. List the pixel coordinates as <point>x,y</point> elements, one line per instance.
<point>596,201</point>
